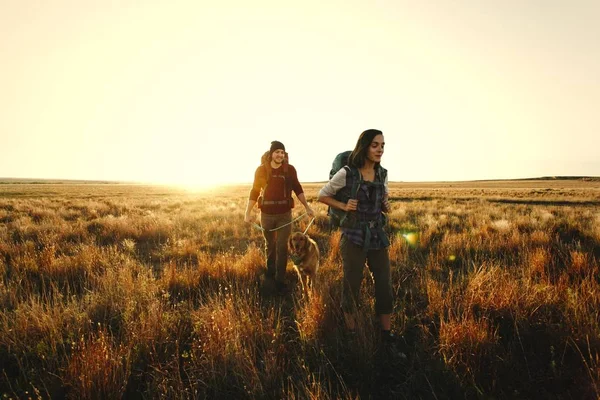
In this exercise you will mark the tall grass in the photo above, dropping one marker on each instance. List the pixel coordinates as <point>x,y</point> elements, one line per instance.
<point>115,291</point>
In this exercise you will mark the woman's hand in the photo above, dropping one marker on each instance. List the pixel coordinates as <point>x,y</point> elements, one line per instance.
<point>351,205</point>
<point>385,205</point>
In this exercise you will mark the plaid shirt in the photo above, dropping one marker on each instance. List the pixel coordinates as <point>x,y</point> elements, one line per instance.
<point>369,217</point>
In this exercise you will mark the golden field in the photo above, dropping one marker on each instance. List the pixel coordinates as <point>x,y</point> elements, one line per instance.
<point>132,291</point>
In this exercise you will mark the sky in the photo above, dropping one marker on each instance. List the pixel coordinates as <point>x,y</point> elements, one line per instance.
<point>193,92</point>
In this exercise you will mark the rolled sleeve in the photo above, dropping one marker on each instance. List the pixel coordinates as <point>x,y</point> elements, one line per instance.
<point>337,182</point>
<point>386,190</point>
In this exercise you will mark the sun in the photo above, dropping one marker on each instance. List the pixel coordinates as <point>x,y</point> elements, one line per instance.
<point>199,188</point>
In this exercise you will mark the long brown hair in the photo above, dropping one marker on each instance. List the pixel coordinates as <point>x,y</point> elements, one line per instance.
<point>358,156</point>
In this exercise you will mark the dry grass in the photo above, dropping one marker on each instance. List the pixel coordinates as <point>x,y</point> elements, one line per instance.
<point>123,291</point>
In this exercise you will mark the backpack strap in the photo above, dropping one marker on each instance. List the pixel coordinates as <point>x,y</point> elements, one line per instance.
<point>286,182</point>
<point>354,174</point>
<point>263,190</point>
<point>286,189</point>
<point>381,174</point>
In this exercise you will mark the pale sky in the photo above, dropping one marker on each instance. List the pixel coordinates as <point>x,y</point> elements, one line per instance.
<point>194,91</point>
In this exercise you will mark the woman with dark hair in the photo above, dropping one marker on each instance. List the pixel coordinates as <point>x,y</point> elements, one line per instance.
<point>363,237</point>
<point>274,181</point>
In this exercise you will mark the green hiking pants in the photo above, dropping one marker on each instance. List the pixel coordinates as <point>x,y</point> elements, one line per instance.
<point>378,261</point>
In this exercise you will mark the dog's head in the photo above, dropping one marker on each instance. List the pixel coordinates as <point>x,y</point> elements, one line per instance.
<point>298,243</point>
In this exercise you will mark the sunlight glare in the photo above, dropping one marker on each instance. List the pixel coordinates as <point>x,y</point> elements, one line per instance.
<point>412,238</point>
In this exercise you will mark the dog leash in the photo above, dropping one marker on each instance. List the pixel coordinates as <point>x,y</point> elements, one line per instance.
<point>309,224</point>
<point>279,227</point>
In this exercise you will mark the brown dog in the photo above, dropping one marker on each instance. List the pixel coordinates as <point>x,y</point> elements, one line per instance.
<point>304,252</point>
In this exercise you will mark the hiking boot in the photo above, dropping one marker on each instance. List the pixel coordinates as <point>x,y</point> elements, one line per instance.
<point>349,335</point>
<point>392,345</point>
<point>282,288</point>
<point>269,275</point>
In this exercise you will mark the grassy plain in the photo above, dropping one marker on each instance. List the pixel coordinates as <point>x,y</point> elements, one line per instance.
<point>133,291</point>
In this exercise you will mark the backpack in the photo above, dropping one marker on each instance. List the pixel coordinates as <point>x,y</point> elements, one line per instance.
<point>264,162</point>
<point>337,217</point>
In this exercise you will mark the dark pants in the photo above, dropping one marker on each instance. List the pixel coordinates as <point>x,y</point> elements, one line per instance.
<point>276,243</point>
<point>354,259</point>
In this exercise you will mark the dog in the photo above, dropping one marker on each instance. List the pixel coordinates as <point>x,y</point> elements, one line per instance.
<point>304,252</point>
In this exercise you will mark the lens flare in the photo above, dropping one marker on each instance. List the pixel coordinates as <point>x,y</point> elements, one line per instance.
<point>412,238</point>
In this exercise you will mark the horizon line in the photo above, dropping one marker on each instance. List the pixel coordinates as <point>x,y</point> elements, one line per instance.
<point>11,180</point>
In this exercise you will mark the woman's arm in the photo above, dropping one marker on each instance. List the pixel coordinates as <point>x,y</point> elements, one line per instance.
<point>327,193</point>
<point>332,202</point>
<point>385,205</point>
